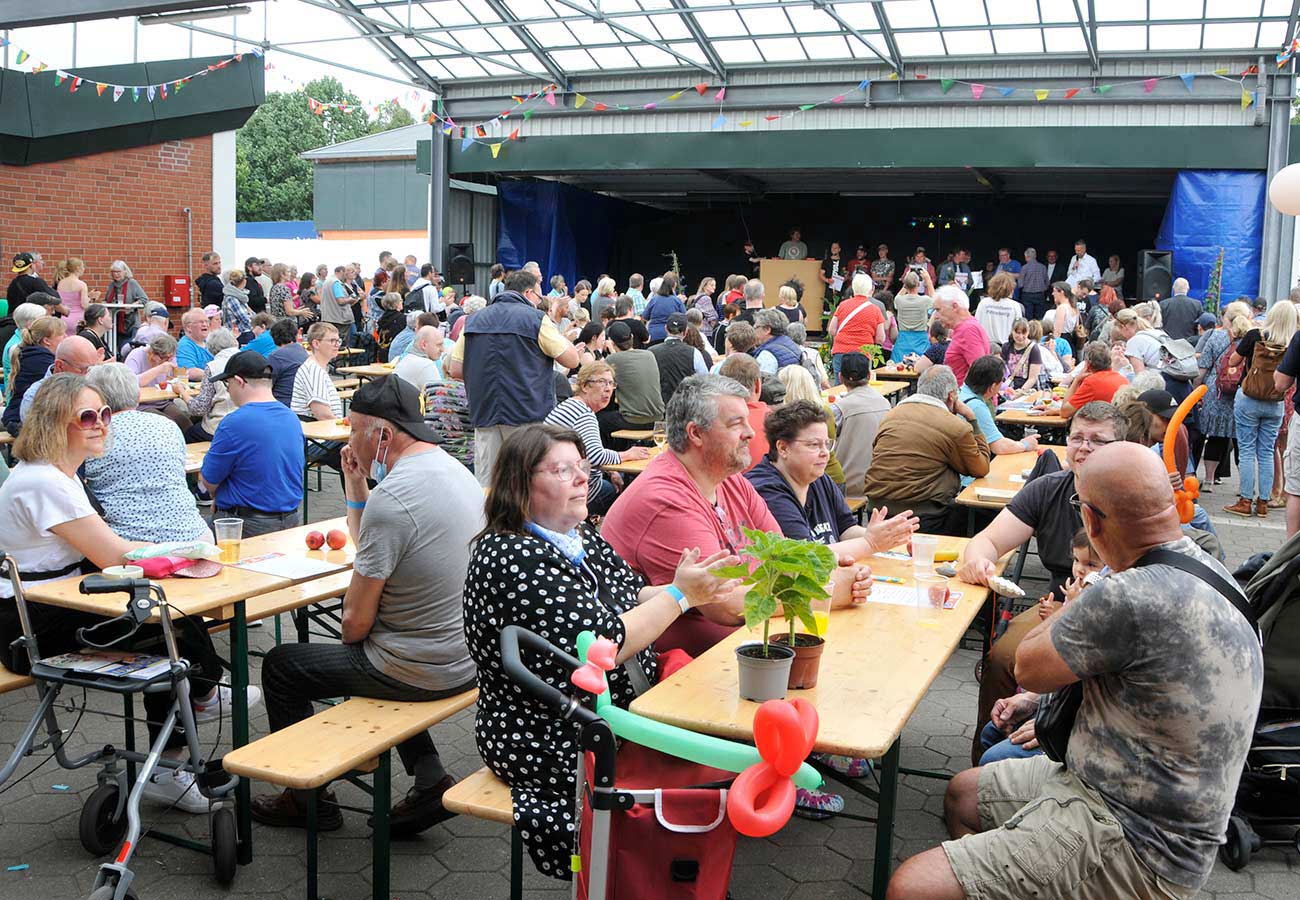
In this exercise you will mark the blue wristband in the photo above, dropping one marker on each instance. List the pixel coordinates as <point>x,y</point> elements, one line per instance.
<point>677,595</point>
<point>356,504</point>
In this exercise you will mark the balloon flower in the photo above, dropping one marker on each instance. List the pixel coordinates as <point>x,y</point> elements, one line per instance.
<point>1184,497</point>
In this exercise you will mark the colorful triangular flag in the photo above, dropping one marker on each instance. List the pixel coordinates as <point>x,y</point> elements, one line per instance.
<point>480,131</point>
<point>893,76</point>
<point>528,114</point>
<point>719,121</point>
<point>651,106</point>
<point>23,56</point>
<point>720,95</point>
<point>4,42</point>
<point>578,101</point>
<point>807,106</point>
<point>514,135</point>
<point>60,76</point>
<point>675,96</point>
<point>496,149</point>
<point>135,95</point>
<point>600,107</point>
<point>1103,88</point>
<point>99,88</point>
<point>746,123</point>
<point>550,98</point>
<point>701,88</point>
<point>1071,92</point>
<point>839,99</point>
<point>1220,71</point>
<point>977,91</point>
<point>149,92</point>
<point>39,68</point>
<point>163,86</point>
<point>1188,78</point>
<point>76,83</point>
<point>118,90</point>
<point>865,85</point>
<point>945,84</point>
<point>465,144</point>
<point>1247,98</point>
<point>1149,84</point>
<point>1041,94</point>
<point>922,77</point>
<point>1006,92</point>
<point>771,118</point>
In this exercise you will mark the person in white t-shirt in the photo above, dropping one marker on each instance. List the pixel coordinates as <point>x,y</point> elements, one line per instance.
<point>314,395</point>
<point>997,311</point>
<point>420,367</point>
<point>1082,265</point>
<point>52,532</point>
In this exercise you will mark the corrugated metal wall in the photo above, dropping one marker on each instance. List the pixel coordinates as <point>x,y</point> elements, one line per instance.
<point>824,83</point>
<point>366,195</point>
<point>472,218</point>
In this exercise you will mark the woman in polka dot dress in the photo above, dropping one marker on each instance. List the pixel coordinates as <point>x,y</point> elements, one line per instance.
<point>538,566</point>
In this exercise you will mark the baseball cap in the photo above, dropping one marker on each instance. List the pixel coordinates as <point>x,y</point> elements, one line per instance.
<point>618,332</point>
<point>1161,403</point>
<point>156,309</point>
<point>395,400</point>
<point>1206,320</point>
<point>1259,303</point>
<point>211,310</point>
<point>676,323</point>
<point>855,366</point>
<point>22,262</point>
<point>246,364</point>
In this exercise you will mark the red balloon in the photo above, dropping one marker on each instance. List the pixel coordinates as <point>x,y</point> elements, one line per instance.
<point>604,653</point>
<point>784,733</point>
<point>760,801</point>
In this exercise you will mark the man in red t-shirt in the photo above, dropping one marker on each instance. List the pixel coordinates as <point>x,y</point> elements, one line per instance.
<point>744,369</point>
<point>857,321</point>
<point>1097,381</point>
<point>693,495</point>
<point>969,340</point>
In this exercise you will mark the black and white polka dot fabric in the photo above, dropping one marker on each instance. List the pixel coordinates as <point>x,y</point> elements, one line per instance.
<point>522,580</point>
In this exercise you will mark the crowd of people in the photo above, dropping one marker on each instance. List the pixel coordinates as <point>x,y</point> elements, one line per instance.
<point>519,394</point>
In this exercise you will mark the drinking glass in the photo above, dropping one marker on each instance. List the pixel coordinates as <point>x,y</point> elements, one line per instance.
<point>931,590</point>
<point>230,533</point>
<point>923,550</point>
<point>821,610</point>
<point>660,435</point>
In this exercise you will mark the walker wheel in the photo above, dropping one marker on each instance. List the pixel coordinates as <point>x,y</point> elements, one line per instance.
<point>106,891</point>
<point>98,831</point>
<point>225,845</point>
<point>1241,843</point>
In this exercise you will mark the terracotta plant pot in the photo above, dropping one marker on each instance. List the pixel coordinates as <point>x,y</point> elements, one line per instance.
<point>763,677</point>
<point>807,659</point>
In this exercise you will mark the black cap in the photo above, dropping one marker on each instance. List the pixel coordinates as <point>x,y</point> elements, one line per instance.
<point>1257,303</point>
<point>676,323</point>
<point>618,332</point>
<point>1161,403</point>
<point>252,261</point>
<point>855,366</point>
<point>395,400</point>
<point>246,364</point>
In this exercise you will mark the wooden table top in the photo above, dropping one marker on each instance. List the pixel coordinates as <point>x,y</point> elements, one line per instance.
<point>633,434</point>
<point>213,596</point>
<point>292,542</point>
<point>634,466</point>
<point>1032,417</point>
<point>327,430</point>
<point>1001,470</point>
<point>156,394</point>
<point>890,372</point>
<point>374,370</point>
<point>884,388</point>
<point>879,661</point>
<point>194,454</point>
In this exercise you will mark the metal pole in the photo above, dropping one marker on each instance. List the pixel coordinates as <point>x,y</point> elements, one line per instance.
<point>74,45</point>
<point>1275,253</point>
<point>439,198</point>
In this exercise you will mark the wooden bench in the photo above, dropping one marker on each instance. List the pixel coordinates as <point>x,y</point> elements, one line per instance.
<point>342,741</point>
<point>484,796</point>
<point>342,384</point>
<point>10,681</point>
<point>290,599</point>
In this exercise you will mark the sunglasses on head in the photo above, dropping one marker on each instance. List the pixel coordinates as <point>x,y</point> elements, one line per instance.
<point>89,418</point>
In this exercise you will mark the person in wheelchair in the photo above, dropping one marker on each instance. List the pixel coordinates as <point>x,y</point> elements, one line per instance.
<point>53,532</point>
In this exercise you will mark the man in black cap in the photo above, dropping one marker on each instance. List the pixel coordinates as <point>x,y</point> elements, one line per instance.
<point>638,398</point>
<point>253,470</point>
<point>677,359</point>
<point>253,284</point>
<point>27,279</point>
<point>403,623</point>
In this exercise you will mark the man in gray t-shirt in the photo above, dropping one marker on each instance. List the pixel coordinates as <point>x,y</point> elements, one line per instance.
<point>1171,673</point>
<point>403,619</point>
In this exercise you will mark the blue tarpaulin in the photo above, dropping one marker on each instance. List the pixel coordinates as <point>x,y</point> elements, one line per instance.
<point>276,230</point>
<point>568,231</point>
<point>1212,209</point>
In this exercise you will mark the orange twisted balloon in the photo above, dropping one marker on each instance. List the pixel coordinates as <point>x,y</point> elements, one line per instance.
<point>1185,497</point>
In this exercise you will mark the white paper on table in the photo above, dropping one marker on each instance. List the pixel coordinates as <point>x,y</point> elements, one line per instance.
<point>836,283</point>
<point>904,595</point>
<point>1016,478</point>
<point>977,280</point>
<point>294,568</point>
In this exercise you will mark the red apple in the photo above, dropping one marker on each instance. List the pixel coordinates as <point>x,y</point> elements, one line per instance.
<point>336,539</point>
<point>315,540</point>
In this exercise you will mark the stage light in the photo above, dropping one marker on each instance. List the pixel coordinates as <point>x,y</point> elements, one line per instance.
<point>914,223</point>
<point>931,224</point>
<point>947,225</point>
<point>965,220</point>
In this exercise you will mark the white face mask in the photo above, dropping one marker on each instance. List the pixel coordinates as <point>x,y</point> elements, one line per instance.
<point>379,470</point>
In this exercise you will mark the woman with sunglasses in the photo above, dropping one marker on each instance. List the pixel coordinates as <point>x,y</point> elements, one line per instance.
<point>53,532</point>
<point>537,565</point>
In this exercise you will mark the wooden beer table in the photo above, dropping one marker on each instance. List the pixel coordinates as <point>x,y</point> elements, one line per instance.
<point>1004,481</point>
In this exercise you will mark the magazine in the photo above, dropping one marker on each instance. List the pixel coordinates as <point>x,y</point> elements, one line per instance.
<point>114,663</point>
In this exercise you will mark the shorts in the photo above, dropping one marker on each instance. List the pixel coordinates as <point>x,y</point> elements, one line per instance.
<point>1291,461</point>
<point>1048,835</point>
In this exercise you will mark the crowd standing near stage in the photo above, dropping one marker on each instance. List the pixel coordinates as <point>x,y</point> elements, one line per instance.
<point>528,393</point>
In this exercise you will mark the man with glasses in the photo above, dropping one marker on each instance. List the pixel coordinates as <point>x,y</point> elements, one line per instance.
<point>315,398</point>
<point>75,355</point>
<point>506,355</point>
<point>1041,510</point>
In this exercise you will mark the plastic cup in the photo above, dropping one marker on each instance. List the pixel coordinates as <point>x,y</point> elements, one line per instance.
<point>923,550</point>
<point>123,572</point>
<point>821,610</point>
<point>931,591</point>
<point>230,533</point>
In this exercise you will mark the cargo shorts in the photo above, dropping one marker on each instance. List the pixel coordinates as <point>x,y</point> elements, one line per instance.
<point>1048,835</point>
<point>1291,460</point>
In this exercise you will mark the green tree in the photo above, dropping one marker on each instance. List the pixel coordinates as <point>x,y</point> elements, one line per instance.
<point>271,181</point>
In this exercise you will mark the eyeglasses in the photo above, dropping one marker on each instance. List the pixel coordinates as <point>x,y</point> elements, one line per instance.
<point>1078,440</point>
<point>331,340</point>
<point>567,472</point>
<point>601,382</point>
<point>1078,503</point>
<point>88,419</point>
<point>817,446</point>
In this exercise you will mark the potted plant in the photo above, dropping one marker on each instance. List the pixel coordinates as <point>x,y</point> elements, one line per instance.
<point>789,574</point>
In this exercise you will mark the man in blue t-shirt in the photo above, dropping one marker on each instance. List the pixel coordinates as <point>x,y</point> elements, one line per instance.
<point>1011,267</point>
<point>262,340</point>
<point>191,349</point>
<point>254,468</point>
<point>980,393</point>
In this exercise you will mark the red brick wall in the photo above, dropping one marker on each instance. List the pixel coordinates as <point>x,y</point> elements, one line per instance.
<point>127,204</point>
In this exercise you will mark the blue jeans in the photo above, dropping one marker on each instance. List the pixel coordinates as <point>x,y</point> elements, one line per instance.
<point>998,747</point>
<point>837,359</point>
<point>1258,422</point>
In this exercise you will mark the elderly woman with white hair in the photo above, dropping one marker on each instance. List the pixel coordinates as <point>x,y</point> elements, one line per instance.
<point>23,317</point>
<point>140,480</point>
<point>212,403</point>
<point>123,288</point>
<point>471,305</point>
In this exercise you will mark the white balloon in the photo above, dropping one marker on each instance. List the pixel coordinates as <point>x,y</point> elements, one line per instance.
<point>1284,190</point>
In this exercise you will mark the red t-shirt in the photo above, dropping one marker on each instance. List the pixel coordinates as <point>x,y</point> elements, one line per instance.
<point>758,411</point>
<point>861,330</point>
<point>1098,386</point>
<point>969,343</point>
<point>662,513</point>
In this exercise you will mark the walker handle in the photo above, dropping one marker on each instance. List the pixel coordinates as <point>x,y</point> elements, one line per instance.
<point>511,637</point>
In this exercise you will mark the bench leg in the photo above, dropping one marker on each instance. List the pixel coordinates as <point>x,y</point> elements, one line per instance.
<point>380,799</point>
<point>516,865</point>
<point>313,889</point>
<point>884,862</point>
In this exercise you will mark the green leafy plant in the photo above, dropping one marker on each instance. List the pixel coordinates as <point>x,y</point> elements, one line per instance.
<point>790,574</point>
<point>873,352</point>
<point>1214,290</point>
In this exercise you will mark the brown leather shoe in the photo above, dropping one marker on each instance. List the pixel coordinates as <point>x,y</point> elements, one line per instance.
<point>418,810</point>
<point>282,810</point>
<point>1261,508</point>
<point>1242,507</point>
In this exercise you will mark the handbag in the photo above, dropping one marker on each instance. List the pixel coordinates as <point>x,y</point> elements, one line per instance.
<point>1058,710</point>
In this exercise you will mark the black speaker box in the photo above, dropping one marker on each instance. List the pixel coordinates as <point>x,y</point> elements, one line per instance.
<point>1155,274</point>
<point>460,264</point>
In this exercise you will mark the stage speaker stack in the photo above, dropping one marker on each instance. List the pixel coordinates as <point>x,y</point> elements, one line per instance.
<point>460,263</point>
<point>1155,274</point>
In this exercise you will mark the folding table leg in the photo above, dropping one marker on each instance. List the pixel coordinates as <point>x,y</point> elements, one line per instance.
<point>885,822</point>
<point>516,865</point>
<point>313,889</point>
<point>382,851</point>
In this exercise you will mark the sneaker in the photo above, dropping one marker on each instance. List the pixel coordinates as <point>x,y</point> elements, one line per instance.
<point>850,767</point>
<point>220,703</point>
<point>201,498</point>
<point>1242,507</point>
<point>418,810</point>
<point>817,804</point>
<point>282,811</point>
<point>176,788</point>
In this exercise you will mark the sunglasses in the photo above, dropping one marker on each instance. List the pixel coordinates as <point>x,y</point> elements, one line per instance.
<point>88,419</point>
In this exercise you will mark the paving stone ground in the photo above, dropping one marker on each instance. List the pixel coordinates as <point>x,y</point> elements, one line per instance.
<point>468,858</point>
